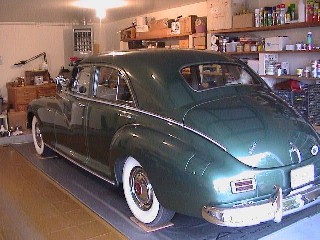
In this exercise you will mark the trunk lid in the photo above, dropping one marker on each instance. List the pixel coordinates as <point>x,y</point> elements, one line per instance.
<point>256,127</point>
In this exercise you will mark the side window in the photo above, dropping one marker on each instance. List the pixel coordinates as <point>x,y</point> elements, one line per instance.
<point>206,76</point>
<point>112,86</point>
<point>81,81</point>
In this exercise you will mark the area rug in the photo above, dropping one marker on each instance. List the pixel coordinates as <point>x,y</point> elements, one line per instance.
<point>109,202</point>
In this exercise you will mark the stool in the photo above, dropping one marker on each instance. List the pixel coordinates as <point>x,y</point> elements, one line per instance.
<point>4,118</point>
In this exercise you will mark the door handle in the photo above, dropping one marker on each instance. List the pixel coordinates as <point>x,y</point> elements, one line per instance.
<point>125,115</point>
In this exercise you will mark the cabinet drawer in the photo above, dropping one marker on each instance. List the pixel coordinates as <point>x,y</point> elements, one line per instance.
<point>24,91</point>
<point>25,99</point>
<point>21,107</point>
<point>46,92</point>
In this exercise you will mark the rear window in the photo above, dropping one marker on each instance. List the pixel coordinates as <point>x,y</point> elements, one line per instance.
<point>207,76</point>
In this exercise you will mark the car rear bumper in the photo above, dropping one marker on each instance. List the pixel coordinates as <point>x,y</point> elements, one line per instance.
<point>273,209</point>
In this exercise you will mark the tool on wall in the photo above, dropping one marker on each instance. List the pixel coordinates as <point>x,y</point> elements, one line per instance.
<point>23,62</point>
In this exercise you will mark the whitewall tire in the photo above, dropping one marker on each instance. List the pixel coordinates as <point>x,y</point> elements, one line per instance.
<point>140,196</point>
<point>39,145</point>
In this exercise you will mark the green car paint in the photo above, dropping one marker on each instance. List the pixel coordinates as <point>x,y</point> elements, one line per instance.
<point>193,144</point>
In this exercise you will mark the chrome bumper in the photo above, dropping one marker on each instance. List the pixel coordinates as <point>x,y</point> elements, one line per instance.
<point>274,209</point>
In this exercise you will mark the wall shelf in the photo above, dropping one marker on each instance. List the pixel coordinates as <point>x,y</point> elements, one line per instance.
<point>158,37</point>
<point>295,77</point>
<point>279,52</point>
<point>268,28</point>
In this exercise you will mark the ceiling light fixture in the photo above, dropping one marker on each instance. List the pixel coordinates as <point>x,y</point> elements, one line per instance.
<point>100,6</point>
<point>101,13</point>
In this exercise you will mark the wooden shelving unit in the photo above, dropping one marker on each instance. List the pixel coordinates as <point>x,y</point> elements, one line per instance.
<point>289,77</point>
<point>159,37</point>
<point>279,52</point>
<point>268,28</point>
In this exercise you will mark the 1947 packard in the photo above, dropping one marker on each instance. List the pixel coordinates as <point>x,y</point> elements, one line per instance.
<point>187,131</point>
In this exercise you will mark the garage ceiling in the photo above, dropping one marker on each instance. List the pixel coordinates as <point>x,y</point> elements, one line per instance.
<point>62,11</point>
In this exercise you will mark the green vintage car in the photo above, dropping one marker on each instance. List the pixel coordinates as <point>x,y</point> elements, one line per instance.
<point>186,131</point>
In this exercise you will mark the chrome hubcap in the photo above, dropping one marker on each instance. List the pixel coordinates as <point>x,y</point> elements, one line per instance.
<point>141,189</point>
<point>38,135</point>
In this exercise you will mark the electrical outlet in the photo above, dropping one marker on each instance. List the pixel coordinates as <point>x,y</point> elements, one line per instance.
<point>1,60</point>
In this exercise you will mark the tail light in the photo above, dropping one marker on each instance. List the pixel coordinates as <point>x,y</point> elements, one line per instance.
<point>243,185</point>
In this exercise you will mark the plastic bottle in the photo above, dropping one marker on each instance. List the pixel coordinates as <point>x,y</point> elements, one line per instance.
<point>288,15</point>
<point>274,16</point>
<point>261,17</point>
<point>293,11</point>
<point>2,129</point>
<point>257,17</point>
<point>278,14</point>
<point>302,11</point>
<point>309,41</point>
<point>282,13</point>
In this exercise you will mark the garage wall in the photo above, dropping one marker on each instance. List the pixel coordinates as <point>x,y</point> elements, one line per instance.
<point>23,41</point>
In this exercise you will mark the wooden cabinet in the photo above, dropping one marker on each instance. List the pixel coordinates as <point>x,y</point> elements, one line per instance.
<point>19,97</point>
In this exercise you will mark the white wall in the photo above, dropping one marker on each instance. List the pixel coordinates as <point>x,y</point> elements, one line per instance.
<point>22,41</point>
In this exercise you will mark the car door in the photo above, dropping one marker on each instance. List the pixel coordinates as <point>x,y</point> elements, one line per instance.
<point>106,114</point>
<point>70,122</point>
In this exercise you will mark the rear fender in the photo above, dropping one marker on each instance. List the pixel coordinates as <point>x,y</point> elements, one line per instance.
<point>158,153</point>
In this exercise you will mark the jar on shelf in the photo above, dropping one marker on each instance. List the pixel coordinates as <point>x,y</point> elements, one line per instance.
<point>239,47</point>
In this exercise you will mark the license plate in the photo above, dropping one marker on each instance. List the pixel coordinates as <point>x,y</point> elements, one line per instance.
<point>301,176</point>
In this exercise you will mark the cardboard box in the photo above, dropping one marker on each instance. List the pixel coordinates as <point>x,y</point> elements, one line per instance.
<point>29,76</point>
<point>160,24</point>
<point>243,20</point>
<point>142,28</point>
<point>166,32</point>
<point>200,41</point>
<point>264,60</point>
<point>184,43</point>
<point>276,43</point>
<point>175,28</point>
<point>220,12</point>
<point>201,25</point>
<point>17,119</point>
<point>187,24</point>
<point>128,33</point>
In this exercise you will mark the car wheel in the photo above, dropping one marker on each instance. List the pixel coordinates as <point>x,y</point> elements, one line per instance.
<point>39,145</point>
<point>140,196</point>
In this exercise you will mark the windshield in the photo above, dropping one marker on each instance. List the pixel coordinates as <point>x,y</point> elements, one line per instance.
<point>212,75</point>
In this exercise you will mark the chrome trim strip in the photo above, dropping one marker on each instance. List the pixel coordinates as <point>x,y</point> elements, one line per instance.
<point>134,109</point>
<point>81,166</point>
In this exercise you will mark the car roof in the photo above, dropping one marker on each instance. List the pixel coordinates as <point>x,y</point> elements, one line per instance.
<point>155,76</point>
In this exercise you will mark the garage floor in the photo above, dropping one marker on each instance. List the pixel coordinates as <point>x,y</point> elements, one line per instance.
<point>32,206</point>
<point>53,199</point>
